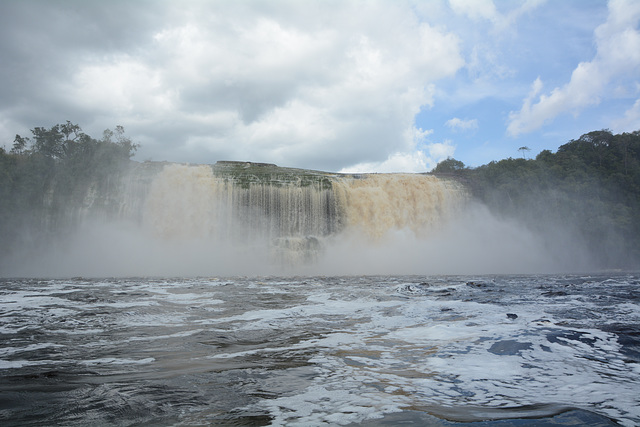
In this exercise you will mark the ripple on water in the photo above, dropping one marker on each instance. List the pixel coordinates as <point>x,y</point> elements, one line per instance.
<point>306,351</point>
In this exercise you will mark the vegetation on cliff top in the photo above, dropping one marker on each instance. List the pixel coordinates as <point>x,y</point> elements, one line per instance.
<point>61,161</point>
<point>590,186</point>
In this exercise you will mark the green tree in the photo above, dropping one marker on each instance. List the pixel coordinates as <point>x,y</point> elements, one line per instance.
<point>449,166</point>
<point>590,186</point>
<point>19,145</point>
<point>523,150</point>
<point>43,176</point>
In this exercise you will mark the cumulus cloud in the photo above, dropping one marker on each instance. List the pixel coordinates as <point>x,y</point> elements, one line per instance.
<point>457,124</point>
<point>299,84</point>
<point>422,157</point>
<point>618,55</point>
<point>631,120</point>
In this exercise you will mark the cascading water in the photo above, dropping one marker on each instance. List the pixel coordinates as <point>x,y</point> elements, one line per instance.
<point>245,218</point>
<point>234,218</point>
<point>190,201</point>
<point>293,210</point>
<point>379,204</point>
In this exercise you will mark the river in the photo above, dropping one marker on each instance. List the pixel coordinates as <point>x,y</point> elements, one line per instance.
<point>365,350</point>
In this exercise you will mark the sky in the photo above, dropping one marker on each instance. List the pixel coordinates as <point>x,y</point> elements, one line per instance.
<point>331,85</point>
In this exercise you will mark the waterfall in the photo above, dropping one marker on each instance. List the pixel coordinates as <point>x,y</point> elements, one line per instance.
<point>378,204</point>
<point>293,210</point>
<point>159,218</point>
<point>192,201</point>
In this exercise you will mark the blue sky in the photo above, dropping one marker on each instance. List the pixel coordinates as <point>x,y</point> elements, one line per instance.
<point>547,43</point>
<point>366,86</point>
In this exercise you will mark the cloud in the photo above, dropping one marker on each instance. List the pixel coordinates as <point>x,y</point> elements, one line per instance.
<point>423,156</point>
<point>456,124</point>
<point>618,56</point>
<point>478,10</point>
<point>319,85</point>
<point>418,161</point>
<point>631,120</point>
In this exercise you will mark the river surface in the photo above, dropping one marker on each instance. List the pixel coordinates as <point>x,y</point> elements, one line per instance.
<point>410,350</point>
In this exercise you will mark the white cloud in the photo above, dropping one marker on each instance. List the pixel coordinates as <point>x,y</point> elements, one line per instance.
<point>396,162</point>
<point>618,56</point>
<point>457,124</point>
<point>296,84</point>
<point>631,120</point>
<point>421,158</point>
<point>478,10</point>
<point>122,86</point>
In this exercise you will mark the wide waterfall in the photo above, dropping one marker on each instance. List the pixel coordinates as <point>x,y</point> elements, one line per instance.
<point>168,219</point>
<point>294,210</point>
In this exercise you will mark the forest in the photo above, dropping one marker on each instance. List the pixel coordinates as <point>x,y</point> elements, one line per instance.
<point>589,188</point>
<point>61,161</point>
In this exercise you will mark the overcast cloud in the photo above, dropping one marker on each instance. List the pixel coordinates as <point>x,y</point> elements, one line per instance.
<point>330,85</point>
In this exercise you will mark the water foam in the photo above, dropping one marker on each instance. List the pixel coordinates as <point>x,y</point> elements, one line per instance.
<point>337,350</point>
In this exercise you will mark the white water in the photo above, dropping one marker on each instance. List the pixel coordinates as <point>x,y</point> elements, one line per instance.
<point>319,350</point>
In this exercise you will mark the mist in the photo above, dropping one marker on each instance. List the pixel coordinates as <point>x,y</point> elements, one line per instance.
<point>473,241</point>
<point>99,249</point>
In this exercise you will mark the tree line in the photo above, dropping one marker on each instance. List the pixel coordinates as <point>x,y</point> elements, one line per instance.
<point>590,186</point>
<point>53,168</point>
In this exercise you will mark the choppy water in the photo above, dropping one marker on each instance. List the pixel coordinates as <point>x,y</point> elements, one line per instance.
<point>561,350</point>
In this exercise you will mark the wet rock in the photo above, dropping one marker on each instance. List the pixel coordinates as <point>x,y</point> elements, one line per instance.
<point>554,294</point>
<point>512,316</point>
<point>509,347</point>
<point>476,285</point>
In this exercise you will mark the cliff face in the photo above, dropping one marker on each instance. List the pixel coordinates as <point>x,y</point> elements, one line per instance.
<point>119,196</point>
<point>224,203</point>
